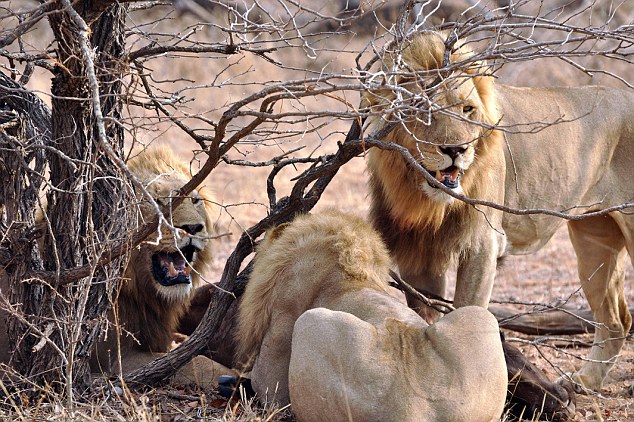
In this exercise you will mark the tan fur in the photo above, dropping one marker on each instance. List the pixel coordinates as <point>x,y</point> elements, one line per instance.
<point>422,54</point>
<point>327,333</point>
<point>581,162</point>
<point>163,172</point>
<point>359,258</point>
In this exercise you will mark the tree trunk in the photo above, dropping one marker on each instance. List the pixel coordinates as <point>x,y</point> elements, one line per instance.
<point>25,122</point>
<point>87,209</point>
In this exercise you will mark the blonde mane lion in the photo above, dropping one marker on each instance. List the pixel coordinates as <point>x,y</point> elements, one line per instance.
<point>412,207</point>
<point>352,251</point>
<point>325,332</point>
<point>564,148</point>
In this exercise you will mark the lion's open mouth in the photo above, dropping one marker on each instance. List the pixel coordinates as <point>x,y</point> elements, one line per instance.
<point>449,177</point>
<point>171,268</point>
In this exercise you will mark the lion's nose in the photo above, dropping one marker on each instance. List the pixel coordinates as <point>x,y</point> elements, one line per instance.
<point>453,152</point>
<point>192,228</point>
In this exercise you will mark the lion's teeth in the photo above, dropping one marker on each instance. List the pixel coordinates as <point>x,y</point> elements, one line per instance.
<point>187,270</point>
<point>439,176</point>
<point>455,174</point>
<point>172,270</point>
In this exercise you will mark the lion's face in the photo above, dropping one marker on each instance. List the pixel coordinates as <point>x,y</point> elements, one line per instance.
<point>170,264</point>
<point>444,120</point>
<point>445,141</point>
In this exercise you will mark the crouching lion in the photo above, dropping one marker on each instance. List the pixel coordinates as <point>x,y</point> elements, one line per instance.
<point>161,276</point>
<point>330,335</point>
<point>567,149</point>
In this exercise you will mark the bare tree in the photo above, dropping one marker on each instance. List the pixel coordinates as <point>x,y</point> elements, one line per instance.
<point>267,91</point>
<point>59,321</point>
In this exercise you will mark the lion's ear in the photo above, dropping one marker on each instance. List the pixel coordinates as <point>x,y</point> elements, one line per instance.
<point>276,232</point>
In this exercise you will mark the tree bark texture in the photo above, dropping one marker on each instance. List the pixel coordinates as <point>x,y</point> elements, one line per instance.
<point>25,129</point>
<point>87,208</point>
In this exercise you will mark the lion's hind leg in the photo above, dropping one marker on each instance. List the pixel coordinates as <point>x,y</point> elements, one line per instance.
<point>601,256</point>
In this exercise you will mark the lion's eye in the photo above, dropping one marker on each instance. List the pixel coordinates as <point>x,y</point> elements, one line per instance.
<point>195,200</point>
<point>162,201</point>
<point>468,109</point>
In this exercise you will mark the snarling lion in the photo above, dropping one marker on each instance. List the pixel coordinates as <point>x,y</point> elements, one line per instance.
<point>163,271</point>
<point>331,336</point>
<point>566,149</point>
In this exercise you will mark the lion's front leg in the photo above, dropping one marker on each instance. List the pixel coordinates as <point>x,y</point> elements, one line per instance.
<point>269,375</point>
<point>429,283</point>
<point>200,371</point>
<point>476,271</point>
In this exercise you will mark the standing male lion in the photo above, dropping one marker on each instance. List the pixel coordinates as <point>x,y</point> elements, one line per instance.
<point>568,149</point>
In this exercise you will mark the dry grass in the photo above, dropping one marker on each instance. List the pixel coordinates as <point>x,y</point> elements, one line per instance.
<point>169,403</point>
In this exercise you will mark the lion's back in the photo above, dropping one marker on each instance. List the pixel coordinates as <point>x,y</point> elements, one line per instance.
<point>564,147</point>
